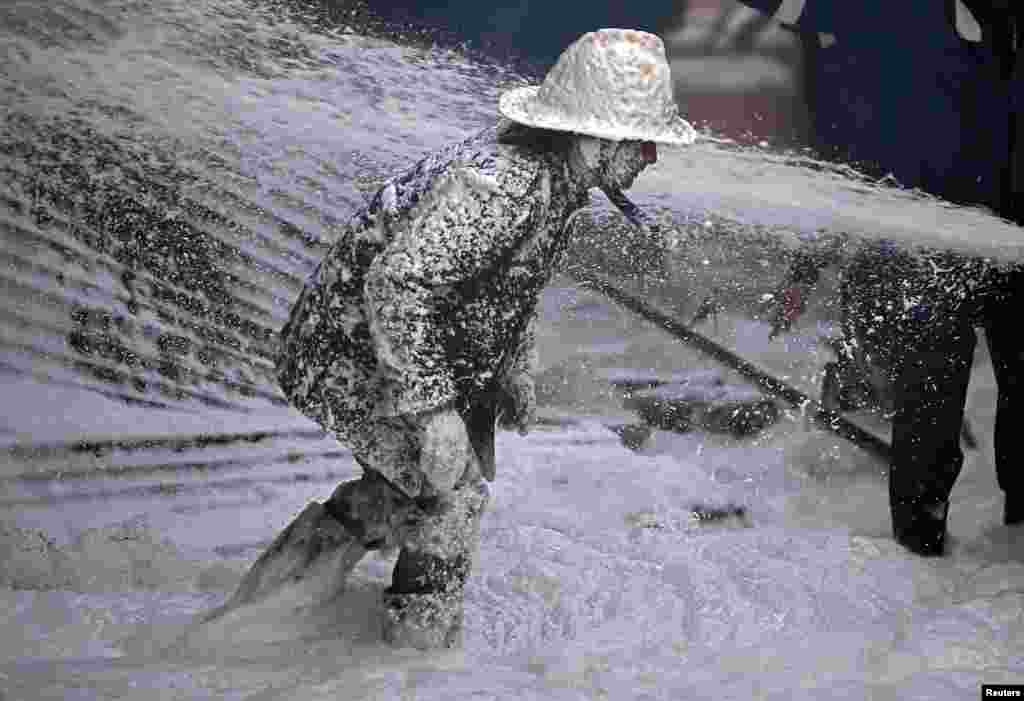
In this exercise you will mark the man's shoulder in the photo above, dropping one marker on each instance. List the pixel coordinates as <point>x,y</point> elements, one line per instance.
<point>490,166</point>
<point>510,168</point>
<point>481,162</point>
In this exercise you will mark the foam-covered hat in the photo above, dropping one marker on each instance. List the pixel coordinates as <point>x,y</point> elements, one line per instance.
<point>613,84</point>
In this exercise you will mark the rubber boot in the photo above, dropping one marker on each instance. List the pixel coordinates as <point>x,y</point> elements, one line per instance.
<point>423,621</point>
<point>328,540</point>
<point>314,544</point>
<point>423,607</point>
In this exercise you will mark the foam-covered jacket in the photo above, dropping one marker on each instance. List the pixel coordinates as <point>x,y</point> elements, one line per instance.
<point>426,300</point>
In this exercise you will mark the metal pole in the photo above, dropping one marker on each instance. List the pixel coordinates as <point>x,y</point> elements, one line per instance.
<point>772,386</point>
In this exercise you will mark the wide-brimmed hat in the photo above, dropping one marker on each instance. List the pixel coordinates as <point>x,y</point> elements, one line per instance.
<point>613,84</point>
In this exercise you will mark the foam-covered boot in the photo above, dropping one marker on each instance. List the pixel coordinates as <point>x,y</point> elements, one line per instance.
<point>314,543</point>
<point>423,605</point>
<point>920,527</point>
<point>327,540</point>
<point>429,621</point>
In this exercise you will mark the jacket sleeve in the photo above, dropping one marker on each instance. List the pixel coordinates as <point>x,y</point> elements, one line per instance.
<point>462,228</point>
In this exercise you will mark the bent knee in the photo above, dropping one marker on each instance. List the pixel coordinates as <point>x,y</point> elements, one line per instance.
<point>373,510</point>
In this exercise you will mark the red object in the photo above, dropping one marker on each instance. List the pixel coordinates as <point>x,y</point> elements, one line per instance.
<point>792,304</point>
<point>649,151</point>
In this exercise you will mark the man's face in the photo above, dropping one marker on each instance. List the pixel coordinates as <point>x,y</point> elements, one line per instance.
<point>627,161</point>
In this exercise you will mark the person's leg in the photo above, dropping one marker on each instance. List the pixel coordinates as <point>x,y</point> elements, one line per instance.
<point>361,515</point>
<point>1007,359</point>
<point>931,389</point>
<point>422,490</point>
<point>368,513</point>
<point>313,545</point>
<point>373,511</point>
<point>423,606</point>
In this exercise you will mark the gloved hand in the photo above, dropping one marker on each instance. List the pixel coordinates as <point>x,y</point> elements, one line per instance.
<point>517,403</point>
<point>446,451</point>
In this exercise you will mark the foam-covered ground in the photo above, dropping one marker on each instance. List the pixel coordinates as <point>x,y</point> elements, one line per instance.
<point>593,581</point>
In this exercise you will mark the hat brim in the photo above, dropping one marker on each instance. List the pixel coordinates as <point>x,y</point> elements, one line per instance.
<point>521,105</point>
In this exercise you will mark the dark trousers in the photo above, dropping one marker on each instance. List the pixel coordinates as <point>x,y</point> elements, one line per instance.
<point>931,391</point>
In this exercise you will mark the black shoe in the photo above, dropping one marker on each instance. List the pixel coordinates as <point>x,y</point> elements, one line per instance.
<point>921,528</point>
<point>1013,510</point>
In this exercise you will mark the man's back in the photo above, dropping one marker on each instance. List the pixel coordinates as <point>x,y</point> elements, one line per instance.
<point>898,89</point>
